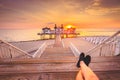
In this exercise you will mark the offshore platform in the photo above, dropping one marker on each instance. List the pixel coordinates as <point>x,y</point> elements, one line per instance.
<point>64,33</point>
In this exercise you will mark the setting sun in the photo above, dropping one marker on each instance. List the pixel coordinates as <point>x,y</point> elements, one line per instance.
<point>69,26</point>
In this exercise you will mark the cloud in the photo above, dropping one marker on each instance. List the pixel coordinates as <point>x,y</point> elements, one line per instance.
<point>104,8</point>
<point>110,3</point>
<point>35,12</point>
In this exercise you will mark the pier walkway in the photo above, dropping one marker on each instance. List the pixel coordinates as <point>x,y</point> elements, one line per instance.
<point>57,51</point>
<point>107,68</point>
<point>58,62</point>
<point>80,44</point>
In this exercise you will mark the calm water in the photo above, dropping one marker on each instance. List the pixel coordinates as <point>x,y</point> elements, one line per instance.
<point>31,34</point>
<point>19,35</point>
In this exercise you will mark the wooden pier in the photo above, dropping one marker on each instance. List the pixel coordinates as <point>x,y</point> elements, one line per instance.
<point>58,62</point>
<point>44,36</point>
<point>64,33</point>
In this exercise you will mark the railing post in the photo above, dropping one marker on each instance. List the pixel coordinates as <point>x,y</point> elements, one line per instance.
<point>10,53</point>
<point>100,51</point>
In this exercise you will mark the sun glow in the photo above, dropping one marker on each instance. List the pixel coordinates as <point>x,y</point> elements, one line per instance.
<point>69,26</point>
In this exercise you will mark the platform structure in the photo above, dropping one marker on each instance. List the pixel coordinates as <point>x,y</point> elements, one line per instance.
<point>64,33</point>
<point>52,35</point>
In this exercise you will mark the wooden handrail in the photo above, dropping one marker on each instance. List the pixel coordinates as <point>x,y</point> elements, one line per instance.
<point>74,49</point>
<point>59,60</point>
<point>100,45</point>
<point>40,50</point>
<point>24,52</point>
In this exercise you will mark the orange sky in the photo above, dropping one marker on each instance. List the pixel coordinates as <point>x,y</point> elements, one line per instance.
<point>85,14</point>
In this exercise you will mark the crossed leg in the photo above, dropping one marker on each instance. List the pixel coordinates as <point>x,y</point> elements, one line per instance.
<point>85,73</point>
<point>79,75</point>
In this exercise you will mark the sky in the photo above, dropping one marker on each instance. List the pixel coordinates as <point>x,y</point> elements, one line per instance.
<point>84,14</point>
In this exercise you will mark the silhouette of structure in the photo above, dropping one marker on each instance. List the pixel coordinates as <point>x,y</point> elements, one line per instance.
<point>65,33</point>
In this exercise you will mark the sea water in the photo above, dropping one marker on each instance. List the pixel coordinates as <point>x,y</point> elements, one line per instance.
<point>12,35</point>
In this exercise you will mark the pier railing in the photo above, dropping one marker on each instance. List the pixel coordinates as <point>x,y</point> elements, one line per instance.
<point>39,52</point>
<point>95,39</point>
<point>109,47</point>
<point>41,49</point>
<point>74,50</point>
<point>9,51</point>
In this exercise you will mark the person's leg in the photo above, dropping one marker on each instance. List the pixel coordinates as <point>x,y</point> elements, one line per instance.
<point>87,72</point>
<point>79,75</point>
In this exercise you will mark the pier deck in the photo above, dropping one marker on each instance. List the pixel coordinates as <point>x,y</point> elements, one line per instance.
<point>58,63</point>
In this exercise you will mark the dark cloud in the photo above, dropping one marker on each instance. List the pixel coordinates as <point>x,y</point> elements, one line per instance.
<point>104,8</point>
<point>44,6</point>
<point>110,3</point>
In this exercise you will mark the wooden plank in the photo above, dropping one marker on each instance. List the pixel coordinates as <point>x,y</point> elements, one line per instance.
<point>55,67</point>
<point>109,75</point>
<point>56,60</point>
<point>54,53</point>
<point>37,60</point>
<point>37,68</point>
<point>66,64</point>
<point>40,76</point>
